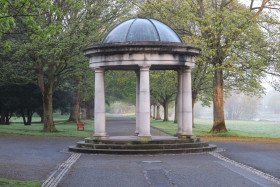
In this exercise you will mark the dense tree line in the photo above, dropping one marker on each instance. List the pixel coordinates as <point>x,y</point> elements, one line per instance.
<point>24,100</point>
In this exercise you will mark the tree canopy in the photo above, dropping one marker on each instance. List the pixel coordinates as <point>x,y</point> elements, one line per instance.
<point>49,51</point>
<point>236,53</point>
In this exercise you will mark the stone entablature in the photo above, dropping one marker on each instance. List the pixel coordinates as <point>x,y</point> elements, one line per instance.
<point>128,55</point>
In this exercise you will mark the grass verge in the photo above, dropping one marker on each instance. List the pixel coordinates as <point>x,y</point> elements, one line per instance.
<point>235,128</point>
<point>63,126</point>
<point>17,183</point>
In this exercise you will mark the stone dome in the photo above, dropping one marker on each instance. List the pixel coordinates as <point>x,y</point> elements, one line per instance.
<point>141,30</point>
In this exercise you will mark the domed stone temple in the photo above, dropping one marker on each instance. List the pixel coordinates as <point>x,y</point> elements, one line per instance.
<point>143,45</point>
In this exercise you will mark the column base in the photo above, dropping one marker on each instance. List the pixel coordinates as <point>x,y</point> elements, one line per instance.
<point>190,137</point>
<point>100,137</point>
<point>144,138</point>
<point>178,134</point>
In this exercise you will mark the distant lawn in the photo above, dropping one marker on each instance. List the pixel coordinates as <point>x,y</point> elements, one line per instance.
<point>16,183</point>
<point>235,128</point>
<point>64,127</point>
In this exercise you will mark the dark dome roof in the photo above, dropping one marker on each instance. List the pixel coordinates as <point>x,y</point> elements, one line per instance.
<point>141,29</point>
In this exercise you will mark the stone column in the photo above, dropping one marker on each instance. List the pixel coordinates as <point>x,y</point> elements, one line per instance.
<point>187,104</point>
<point>144,103</point>
<point>179,102</point>
<point>137,102</point>
<point>99,105</point>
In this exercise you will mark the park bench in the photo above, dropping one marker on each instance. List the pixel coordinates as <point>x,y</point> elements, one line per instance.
<point>80,125</point>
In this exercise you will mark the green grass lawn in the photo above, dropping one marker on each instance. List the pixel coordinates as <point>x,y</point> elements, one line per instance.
<point>63,126</point>
<point>16,183</point>
<point>235,128</point>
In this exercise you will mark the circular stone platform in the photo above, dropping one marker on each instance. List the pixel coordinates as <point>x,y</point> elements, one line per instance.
<point>131,145</point>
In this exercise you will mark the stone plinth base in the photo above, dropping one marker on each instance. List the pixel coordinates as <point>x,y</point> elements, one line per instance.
<point>97,137</point>
<point>192,138</point>
<point>132,145</point>
<point>144,138</point>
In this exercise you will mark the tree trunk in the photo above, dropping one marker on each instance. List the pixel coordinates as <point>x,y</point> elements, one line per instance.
<point>23,117</point>
<point>193,101</point>
<point>194,96</point>
<point>29,117</point>
<point>48,112</point>
<point>87,109</point>
<point>83,111</point>
<point>165,108</point>
<point>154,111</point>
<point>218,100</point>
<point>7,118</point>
<point>75,112</point>
<point>151,114</point>
<point>47,94</point>
<point>158,113</point>
<point>90,109</point>
<point>2,119</point>
<point>176,110</point>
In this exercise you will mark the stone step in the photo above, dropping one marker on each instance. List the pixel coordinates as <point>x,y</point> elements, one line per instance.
<point>142,151</point>
<point>135,141</point>
<point>138,146</point>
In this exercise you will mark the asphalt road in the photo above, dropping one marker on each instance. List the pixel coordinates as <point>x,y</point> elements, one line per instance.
<point>36,158</point>
<point>264,156</point>
<point>31,158</point>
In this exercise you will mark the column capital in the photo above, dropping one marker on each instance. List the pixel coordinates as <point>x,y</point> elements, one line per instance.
<point>144,68</point>
<point>186,69</point>
<point>99,69</point>
<point>180,70</point>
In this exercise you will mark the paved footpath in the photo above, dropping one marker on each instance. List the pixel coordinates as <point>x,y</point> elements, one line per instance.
<point>234,164</point>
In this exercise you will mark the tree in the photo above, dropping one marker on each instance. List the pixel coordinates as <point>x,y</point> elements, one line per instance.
<point>19,100</point>
<point>75,104</point>
<point>163,88</point>
<point>25,10</point>
<point>29,99</point>
<point>158,112</point>
<point>120,85</point>
<point>51,50</point>
<point>7,103</point>
<point>87,95</point>
<point>242,107</point>
<point>274,103</point>
<point>219,28</point>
